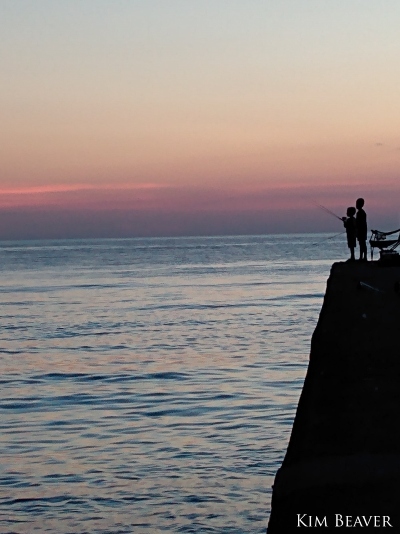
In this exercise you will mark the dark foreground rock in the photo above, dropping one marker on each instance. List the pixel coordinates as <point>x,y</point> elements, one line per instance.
<point>343,458</point>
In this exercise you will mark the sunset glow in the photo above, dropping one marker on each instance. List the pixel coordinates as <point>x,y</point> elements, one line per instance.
<point>154,111</point>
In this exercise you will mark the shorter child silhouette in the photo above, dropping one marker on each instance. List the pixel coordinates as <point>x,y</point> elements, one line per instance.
<point>351,230</point>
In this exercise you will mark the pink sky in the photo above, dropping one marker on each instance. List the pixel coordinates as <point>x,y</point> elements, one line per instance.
<point>82,211</point>
<point>123,118</point>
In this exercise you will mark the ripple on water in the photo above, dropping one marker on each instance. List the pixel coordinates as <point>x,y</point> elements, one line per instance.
<point>150,389</point>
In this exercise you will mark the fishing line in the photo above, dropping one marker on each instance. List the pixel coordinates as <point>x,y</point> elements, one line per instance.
<point>326,239</point>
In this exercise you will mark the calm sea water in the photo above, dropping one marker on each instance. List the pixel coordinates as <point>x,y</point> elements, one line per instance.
<point>150,385</point>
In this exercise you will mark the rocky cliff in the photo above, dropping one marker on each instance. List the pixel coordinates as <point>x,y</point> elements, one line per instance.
<point>343,457</point>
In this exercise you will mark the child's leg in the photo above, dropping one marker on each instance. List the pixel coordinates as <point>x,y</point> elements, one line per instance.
<point>363,251</point>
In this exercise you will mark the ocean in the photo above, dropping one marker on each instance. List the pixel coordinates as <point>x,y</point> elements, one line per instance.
<point>150,385</point>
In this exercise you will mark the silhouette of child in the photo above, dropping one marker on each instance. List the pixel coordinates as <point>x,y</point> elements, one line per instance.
<point>349,223</point>
<point>361,227</point>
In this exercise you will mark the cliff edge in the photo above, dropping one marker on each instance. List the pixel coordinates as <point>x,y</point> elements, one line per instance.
<point>343,457</point>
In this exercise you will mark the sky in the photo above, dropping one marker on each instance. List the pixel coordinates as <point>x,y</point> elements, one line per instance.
<point>123,118</point>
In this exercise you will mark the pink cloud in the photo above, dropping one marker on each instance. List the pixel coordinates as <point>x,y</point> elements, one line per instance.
<point>67,194</point>
<point>65,188</point>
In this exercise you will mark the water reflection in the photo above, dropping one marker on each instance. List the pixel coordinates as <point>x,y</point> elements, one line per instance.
<point>153,392</point>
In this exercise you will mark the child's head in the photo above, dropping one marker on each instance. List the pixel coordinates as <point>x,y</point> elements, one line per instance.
<point>351,211</point>
<point>359,203</point>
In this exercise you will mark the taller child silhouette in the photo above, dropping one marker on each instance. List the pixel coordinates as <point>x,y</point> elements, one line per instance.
<point>361,225</point>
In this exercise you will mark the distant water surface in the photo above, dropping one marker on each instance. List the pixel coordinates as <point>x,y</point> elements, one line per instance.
<point>150,385</point>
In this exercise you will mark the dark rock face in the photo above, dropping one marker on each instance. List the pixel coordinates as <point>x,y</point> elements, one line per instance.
<point>343,458</point>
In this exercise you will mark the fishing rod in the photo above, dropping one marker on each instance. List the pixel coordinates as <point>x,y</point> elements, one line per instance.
<point>333,215</point>
<point>329,211</point>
